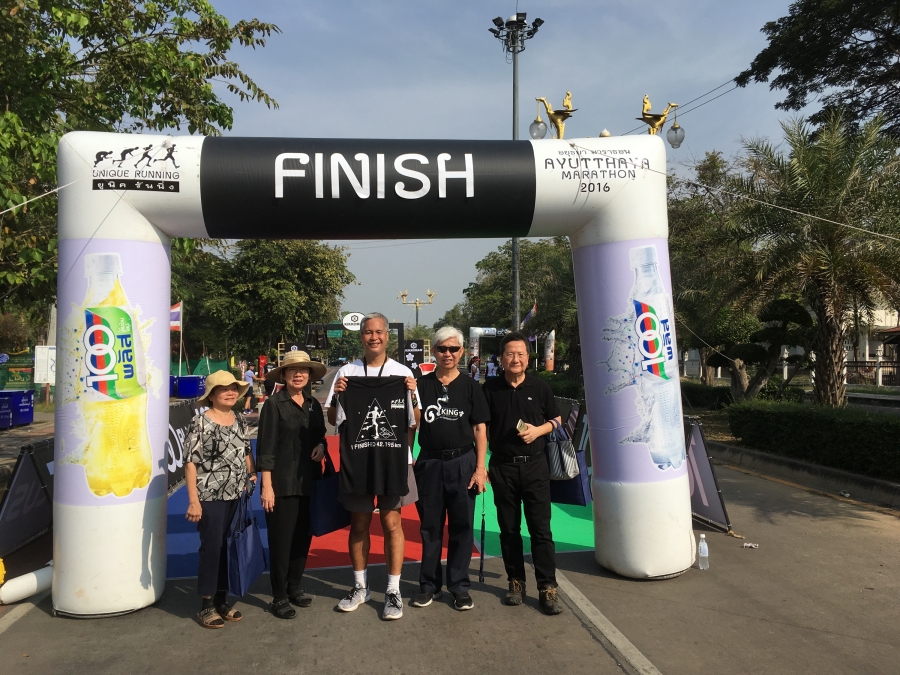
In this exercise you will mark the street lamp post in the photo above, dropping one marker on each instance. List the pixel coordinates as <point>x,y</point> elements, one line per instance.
<point>512,34</point>
<point>418,303</point>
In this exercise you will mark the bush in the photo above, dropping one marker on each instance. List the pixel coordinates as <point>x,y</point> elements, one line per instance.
<point>697,395</point>
<point>770,391</point>
<point>852,440</point>
<point>563,384</point>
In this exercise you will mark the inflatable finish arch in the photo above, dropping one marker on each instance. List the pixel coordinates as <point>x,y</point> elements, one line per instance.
<point>130,194</point>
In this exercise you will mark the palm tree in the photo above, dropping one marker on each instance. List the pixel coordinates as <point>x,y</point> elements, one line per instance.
<point>821,223</point>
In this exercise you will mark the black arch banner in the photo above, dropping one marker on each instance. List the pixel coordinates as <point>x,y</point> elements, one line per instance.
<point>279,188</point>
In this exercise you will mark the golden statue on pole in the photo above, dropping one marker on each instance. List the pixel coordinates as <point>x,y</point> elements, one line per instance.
<point>654,120</point>
<point>558,117</point>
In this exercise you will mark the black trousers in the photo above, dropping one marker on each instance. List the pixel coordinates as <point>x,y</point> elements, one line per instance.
<point>443,494</point>
<point>214,526</point>
<point>525,485</point>
<point>289,541</point>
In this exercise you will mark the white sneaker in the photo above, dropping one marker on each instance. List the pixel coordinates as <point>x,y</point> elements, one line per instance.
<point>357,596</point>
<point>393,606</point>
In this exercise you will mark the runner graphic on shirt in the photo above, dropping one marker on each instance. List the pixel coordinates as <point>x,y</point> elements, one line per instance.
<point>376,426</point>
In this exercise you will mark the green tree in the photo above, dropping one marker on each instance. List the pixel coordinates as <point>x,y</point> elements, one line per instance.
<point>705,316</point>
<point>100,65</point>
<point>546,278</point>
<point>784,323</point>
<point>248,296</point>
<point>822,226</point>
<point>842,53</point>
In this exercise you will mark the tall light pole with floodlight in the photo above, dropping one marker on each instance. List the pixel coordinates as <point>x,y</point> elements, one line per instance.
<point>512,34</point>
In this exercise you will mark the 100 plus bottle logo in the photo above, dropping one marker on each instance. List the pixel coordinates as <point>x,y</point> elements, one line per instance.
<point>109,352</point>
<point>654,341</point>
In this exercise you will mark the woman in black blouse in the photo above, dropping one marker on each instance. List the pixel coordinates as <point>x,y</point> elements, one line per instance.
<point>289,449</point>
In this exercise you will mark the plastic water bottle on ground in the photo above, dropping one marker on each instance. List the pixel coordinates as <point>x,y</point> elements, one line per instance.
<point>703,551</point>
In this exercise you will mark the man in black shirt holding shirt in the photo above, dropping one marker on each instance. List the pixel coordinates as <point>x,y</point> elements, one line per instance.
<point>450,469</point>
<point>519,473</point>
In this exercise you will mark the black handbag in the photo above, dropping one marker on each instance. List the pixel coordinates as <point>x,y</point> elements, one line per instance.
<point>326,513</point>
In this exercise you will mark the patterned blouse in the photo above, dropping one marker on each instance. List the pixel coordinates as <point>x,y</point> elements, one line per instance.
<point>218,452</point>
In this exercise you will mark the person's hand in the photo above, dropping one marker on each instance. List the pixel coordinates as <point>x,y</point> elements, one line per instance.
<point>194,512</point>
<point>340,385</point>
<point>411,383</point>
<point>267,497</point>
<point>531,433</point>
<point>479,478</point>
<point>318,453</point>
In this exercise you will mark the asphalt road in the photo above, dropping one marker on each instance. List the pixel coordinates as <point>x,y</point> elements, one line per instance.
<point>819,595</point>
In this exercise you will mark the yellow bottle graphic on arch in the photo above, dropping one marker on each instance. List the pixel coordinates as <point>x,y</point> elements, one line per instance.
<point>117,455</point>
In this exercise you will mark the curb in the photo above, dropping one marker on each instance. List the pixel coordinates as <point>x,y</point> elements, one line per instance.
<point>824,479</point>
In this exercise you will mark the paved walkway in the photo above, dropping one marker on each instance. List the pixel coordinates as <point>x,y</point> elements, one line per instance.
<point>818,596</point>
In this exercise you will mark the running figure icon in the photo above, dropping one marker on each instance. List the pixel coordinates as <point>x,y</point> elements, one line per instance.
<point>145,156</point>
<point>169,155</point>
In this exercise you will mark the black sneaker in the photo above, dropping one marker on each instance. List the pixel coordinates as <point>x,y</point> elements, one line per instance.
<point>516,592</point>
<point>422,599</point>
<point>463,601</point>
<point>300,598</point>
<point>550,602</point>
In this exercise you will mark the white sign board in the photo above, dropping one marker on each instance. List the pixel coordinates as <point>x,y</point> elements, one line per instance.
<point>351,320</point>
<point>45,365</point>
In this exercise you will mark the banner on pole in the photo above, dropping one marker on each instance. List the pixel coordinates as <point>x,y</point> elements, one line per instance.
<point>413,356</point>
<point>175,317</point>
<point>707,503</point>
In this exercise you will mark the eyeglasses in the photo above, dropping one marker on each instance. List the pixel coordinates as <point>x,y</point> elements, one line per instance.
<point>444,349</point>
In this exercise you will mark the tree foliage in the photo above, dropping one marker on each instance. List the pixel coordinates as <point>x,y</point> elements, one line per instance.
<point>810,230</point>
<point>253,294</point>
<point>100,65</point>
<point>842,52</point>
<point>546,278</point>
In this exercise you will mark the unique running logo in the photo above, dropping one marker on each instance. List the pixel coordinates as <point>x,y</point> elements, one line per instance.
<point>654,340</point>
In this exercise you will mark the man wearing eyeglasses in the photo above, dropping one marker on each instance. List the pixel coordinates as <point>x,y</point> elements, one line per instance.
<point>450,470</point>
<point>522,409</point>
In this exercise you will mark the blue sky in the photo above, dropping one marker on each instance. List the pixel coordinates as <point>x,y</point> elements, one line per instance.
<point>406,69</point>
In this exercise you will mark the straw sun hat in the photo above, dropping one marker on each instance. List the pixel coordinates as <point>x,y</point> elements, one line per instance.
<point>296,359</point>
<point>221,378</point>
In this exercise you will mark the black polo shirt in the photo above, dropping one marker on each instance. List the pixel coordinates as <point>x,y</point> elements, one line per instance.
<point>532,402</point>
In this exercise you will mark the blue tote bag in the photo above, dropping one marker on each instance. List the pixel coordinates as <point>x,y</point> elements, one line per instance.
<point>326,513</point>
<point>246,557</point>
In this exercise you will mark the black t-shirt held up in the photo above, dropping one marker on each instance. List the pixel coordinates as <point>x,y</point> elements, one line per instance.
<point>374,440</point>
<point>448,412</point>
<point>532,402</point>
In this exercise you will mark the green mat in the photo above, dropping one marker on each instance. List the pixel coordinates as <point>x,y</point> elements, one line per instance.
<point>572,526</point>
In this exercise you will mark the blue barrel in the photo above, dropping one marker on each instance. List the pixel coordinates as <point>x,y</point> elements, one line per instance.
<point>6,409</point>
<point>190,386</point>
<point>173,386</point>
<point>23,407</point>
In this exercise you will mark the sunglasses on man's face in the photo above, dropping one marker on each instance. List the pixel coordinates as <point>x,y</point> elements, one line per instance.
<point>443,349</point>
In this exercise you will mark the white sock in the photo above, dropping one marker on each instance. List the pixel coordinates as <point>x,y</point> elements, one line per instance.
<point>393,583</point>
<point>360,578</point>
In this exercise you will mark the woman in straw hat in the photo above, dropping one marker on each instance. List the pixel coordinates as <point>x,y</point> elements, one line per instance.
<point>290,447</point>
<point>218,467</point>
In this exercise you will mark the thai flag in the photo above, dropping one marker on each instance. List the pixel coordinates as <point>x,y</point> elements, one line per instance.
<point>531,314</point>
<point>175,317</point>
